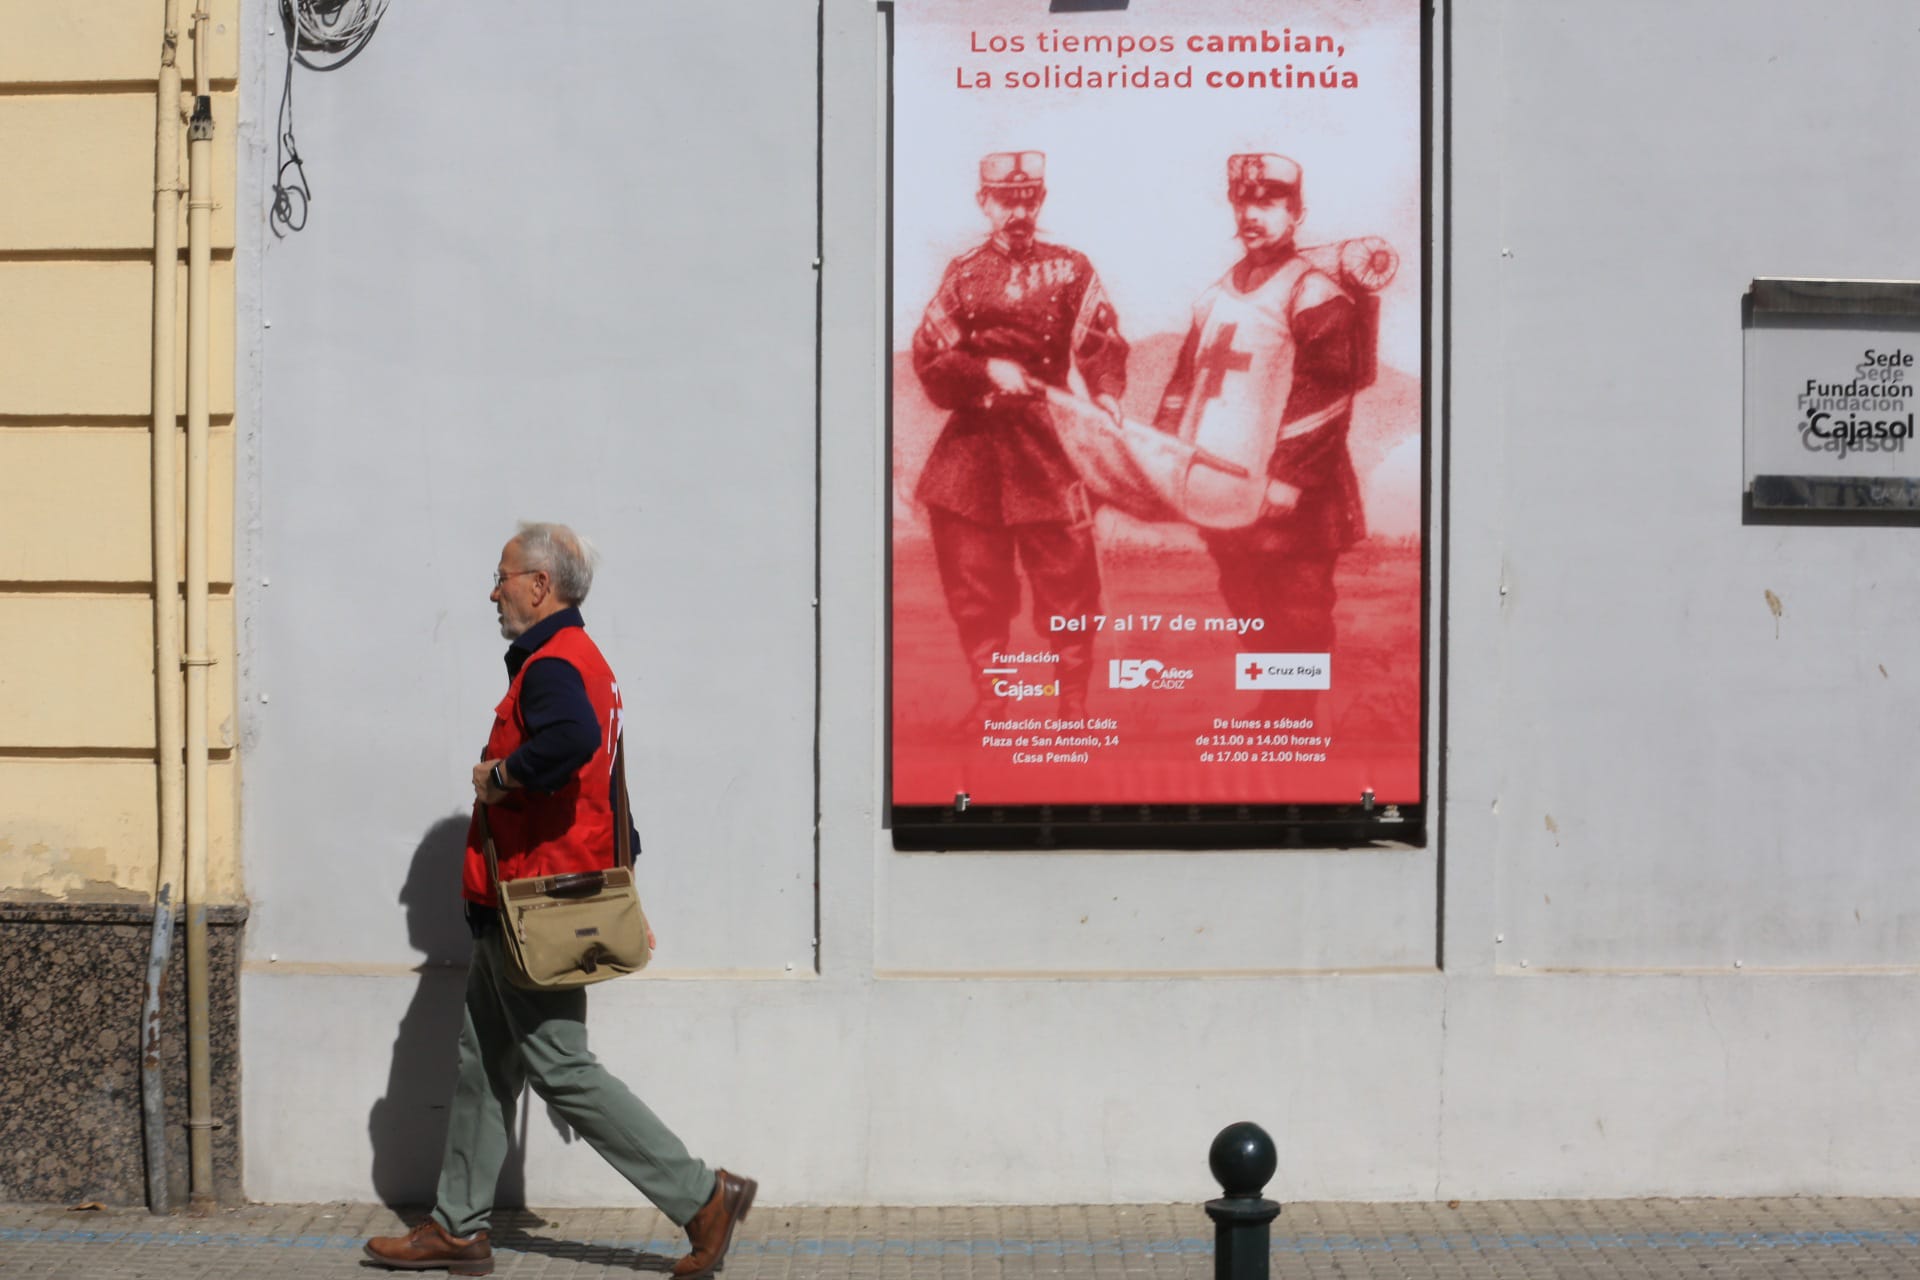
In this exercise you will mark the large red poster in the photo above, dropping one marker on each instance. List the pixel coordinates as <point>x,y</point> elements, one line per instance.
<point>1157,342</point>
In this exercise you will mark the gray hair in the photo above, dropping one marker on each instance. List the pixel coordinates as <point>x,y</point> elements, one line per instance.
<point>567,557</point>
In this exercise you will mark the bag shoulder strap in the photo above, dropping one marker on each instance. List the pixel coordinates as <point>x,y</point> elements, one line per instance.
<point>493,859</point>
<point>622,808</point>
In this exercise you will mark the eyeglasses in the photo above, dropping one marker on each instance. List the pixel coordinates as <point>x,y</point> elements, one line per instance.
<point>500,579</point>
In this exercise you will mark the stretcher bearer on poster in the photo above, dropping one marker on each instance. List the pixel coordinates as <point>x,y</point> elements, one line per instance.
<point>1268,371</point>
<point>1011,319</point>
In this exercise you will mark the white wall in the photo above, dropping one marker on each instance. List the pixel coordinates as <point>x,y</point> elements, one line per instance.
<point>565,270</point>
<point>553,271</point>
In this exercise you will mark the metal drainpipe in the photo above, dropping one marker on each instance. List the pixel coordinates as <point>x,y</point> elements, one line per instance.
<point>200,1119</point>
<point>166,599</point>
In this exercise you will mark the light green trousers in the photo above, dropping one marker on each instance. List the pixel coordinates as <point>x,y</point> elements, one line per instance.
<point>513,1037</point>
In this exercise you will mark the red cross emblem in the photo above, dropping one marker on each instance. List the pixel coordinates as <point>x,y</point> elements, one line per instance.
<point>1219,359</point>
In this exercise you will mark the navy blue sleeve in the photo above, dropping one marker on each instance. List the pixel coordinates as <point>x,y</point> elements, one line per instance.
<point>562,730</point>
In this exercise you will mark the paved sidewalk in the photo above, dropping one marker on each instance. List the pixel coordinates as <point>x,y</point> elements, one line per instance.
<point>1636,1239</point>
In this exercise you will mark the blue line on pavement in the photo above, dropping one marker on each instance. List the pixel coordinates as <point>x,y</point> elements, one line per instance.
<point>823,1248</point>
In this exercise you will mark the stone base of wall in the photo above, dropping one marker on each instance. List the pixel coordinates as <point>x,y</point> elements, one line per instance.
<point>72,987</point>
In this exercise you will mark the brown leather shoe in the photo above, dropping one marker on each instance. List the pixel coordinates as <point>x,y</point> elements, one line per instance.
<point>428,1247</point>
<point>711,1229</point>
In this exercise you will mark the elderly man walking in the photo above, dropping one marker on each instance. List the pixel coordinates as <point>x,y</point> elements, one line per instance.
<point>546,777</point>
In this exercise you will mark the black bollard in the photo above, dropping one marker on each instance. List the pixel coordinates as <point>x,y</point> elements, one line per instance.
<point>1243,1160</point>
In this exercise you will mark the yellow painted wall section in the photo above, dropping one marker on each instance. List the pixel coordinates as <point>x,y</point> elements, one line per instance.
<point>87,830</point>
<point>79,672</point>
<point>80,171</point>
<point>78,793</point>
<point>75,338</point>
<point>62,42</point>
<point>76,505</point>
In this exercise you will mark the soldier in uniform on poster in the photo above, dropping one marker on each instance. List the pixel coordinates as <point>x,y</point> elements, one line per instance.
<point>1276,351</point>
<point>1011,319</point>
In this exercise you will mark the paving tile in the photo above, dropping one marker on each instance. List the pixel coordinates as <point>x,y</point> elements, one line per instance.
<point>1692,1239</point>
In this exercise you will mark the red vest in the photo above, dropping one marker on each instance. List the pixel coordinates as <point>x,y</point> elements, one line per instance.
<point>572,829</point>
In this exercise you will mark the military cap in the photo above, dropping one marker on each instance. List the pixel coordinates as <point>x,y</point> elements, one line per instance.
<point>1005,170</point>
<point>1254,176</point>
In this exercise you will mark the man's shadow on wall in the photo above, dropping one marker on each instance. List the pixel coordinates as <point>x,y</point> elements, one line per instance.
<point>408,1124</point>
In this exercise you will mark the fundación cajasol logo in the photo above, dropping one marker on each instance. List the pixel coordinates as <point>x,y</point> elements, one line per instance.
<point>1007,682</point>
<point>1863,414</point>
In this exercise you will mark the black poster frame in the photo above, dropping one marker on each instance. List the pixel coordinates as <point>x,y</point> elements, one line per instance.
<point>965,826</point>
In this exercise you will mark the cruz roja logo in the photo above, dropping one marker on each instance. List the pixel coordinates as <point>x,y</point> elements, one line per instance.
<point>1283,671</point>
<point>1145,673</point>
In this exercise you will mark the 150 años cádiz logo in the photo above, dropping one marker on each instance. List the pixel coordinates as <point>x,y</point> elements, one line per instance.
<point>1840,417</point>
<point>1137,673</point>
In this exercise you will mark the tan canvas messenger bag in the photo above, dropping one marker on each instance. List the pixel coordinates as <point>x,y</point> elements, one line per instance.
<point>584,926</point>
